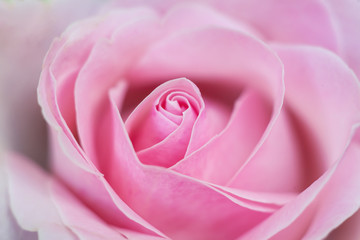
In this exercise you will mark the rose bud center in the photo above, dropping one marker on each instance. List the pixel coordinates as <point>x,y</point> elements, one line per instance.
<point>161,125</point>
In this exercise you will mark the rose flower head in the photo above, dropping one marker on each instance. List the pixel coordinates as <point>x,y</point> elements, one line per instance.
<point>199,120</point>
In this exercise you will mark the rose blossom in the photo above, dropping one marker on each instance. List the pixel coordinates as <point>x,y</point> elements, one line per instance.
<point>198,121</point>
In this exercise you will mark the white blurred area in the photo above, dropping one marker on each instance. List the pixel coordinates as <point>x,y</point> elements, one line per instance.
<point>27,29</point>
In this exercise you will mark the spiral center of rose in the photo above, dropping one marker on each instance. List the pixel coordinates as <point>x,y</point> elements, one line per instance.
<point>175,104</point>
<point>163,121</point>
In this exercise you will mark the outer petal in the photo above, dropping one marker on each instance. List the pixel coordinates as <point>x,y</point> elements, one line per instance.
<point>70,164</point>
<point>108,61</point>
<point>323,206</point>
<point>347,20</point>
<point>329,24</point>
<point>305,22</point>
<point>319,86</point>
<point>9,228</point>
<point>25,181</point>
<point>347,230</point>
<point>51,209</point>
<point>300,22</point>
<point>58,79</point>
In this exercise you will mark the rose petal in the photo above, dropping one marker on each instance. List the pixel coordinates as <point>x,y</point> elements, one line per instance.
<point>219,159</point>
<point>21,171</point>
<point>53,210</point>
<point>347,19</point>
<point>9,228</point>
<point>268,198</point>
<point>319,86</point>
<point>307,22</point>
<point>185,16</point>
<point>94,190</point>
<point>211,121</point>
<point>71,52</point>
<point>337,202</point>
<point>325,88</point>
<point>281,156</point>
<point>84,222</point>
<point>108,61</point>
<point>347,230</point>
<point>325,204</point>
<point>70,163</point>
<point>63,61</point>
<point>25,181</point>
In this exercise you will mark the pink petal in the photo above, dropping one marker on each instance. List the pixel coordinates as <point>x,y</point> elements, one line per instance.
<point>325,204</point>
<point>347,230</point>
<point>347,19</point>
<point>300,22</point>
<point>55,232</point>
<point>183,16</point>
<point>52,210</point>
<point>83,222</point>
<point>211,121</point>
<point>41,212</point>
<point>337,202</point>
<point>92,187</point>
<point>9,228</point>
<point>69,55</point>
<point>107,62</point>
<point>279,158</point>
<point>219,160</point>
<point>71,162</point>
<point>305,22</point>
<point>186,15</point>
<point>319,86</point>
<point>267,198</point>
<point>25,181</point>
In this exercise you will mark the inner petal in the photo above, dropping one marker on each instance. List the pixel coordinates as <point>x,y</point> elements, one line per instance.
<point>164,121</point>
<point>174,104</point>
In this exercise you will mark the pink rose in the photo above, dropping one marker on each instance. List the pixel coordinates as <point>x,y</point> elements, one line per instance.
<point>214,120</point>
